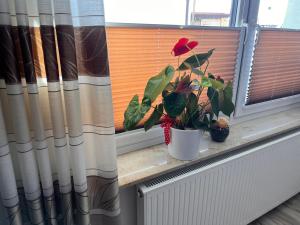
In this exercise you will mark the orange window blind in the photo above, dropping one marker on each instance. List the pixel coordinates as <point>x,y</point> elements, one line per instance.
<point>276,66</point>
<point>136,54</point>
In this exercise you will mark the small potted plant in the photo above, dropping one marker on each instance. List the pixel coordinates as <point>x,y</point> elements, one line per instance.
<point>219,129</point>
<point>182,111</point>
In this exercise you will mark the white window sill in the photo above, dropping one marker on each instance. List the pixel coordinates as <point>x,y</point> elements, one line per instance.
<point>150,162</point>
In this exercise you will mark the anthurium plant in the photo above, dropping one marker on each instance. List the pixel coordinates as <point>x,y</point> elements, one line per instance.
<point>181,90</point>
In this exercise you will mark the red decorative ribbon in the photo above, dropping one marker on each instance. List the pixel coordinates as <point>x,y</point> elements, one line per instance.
<point>166,124</point>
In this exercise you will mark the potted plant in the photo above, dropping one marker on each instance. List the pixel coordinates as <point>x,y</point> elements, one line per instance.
<point>219,130</point>
<point>183,112</point>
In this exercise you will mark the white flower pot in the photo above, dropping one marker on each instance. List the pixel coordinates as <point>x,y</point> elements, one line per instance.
<point>185,144</point>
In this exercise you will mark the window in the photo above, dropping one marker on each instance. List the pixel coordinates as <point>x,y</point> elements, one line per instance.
<point>276,61</point>
<point>137,53</point>
<point>269,78</point>
<point>210,13</point>
<point>262,56</point>
<point>138,50</point>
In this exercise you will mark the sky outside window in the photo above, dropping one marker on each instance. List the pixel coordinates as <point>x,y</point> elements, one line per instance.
<point>168,12</point>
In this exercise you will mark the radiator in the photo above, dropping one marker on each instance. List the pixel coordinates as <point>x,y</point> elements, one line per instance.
<point>231,190</point>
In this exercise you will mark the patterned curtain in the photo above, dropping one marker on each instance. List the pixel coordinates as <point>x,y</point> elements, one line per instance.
<point>57,146</point>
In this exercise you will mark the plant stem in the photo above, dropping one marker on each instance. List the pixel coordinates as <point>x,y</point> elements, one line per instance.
<point>178,58</point>
<point>208,100</point>
<point>206,67</point>
<point>172,85</point>
<point>155,109</point>
<point>201,89</point>
<point>194,55</point>
<point>199,92</point>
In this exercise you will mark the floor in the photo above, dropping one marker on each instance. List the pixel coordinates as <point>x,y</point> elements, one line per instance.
<point>286,214</point>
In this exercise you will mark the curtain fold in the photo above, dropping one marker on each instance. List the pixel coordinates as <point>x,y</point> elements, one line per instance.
<point>57,145</point>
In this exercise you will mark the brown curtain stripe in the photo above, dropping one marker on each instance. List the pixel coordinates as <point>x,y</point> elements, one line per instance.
<point>67,52</point>
<point>27,53</point>
<point>138,53</point>
<point>9,61</point>
<point>92,59</point>
<point>50,54</point>
<point>276,66</point>
<point>16,40</point>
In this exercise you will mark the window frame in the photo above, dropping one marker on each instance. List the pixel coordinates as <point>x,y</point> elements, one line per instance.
<point>244,15</point>
<point>242,111</point>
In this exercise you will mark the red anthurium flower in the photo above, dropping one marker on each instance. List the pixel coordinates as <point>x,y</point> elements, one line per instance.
<point>183,46</point>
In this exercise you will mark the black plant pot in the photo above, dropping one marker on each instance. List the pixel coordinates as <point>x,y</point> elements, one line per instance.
<point>219,134</point>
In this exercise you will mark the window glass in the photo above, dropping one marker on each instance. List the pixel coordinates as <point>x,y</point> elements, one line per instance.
<point>279,14</point>
<point>145,11</point>
<point>169,12</point>
<point>210,13</point>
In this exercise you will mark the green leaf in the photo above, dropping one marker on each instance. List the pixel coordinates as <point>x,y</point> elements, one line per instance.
<point>197,72</point>
<point>174,103</point>
<point>221,80</point>
<point>221,99</point>
<point>157,84</point>
<point>228,90</point>
<point>201,124</point>
<point>155,117</point>
<point>189,66</point>
<point>211,76</point>
<point>192,104</point>
<point>194,70</point>
<point>205,82</point>
<point>228,107</point>
<point>135,112</point>
<point>192,111</point>
<point>195,61</point>
<point>169,87</point>
<point>216,84</point>
<point>213,96</point>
